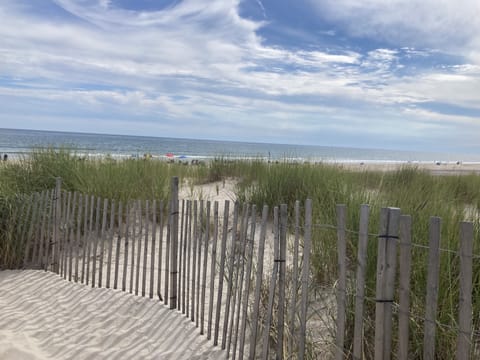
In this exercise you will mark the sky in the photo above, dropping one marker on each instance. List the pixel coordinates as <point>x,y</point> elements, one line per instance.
<point>393,74</point>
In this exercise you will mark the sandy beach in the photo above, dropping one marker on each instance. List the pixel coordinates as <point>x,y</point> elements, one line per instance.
<point>45,317</point>
<point>433,168</point>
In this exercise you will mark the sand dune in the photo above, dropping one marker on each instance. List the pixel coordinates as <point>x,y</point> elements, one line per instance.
<point>46,317</point>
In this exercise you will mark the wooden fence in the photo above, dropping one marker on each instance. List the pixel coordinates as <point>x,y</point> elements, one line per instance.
<point>208,261</point>
<point>214,264</point>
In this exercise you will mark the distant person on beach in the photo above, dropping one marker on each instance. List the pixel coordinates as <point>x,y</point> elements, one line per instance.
<point>5,157</point>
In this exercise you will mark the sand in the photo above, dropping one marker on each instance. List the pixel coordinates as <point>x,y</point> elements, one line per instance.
<point>46,317</point>
<point>433,168</point>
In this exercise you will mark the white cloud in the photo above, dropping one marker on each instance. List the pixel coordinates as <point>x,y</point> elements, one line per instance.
<point>444,24</point>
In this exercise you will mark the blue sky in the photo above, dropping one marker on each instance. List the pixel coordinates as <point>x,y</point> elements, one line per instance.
<point>359,73</point>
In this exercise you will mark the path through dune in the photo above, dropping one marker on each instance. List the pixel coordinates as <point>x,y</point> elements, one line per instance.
<point>43,316</point>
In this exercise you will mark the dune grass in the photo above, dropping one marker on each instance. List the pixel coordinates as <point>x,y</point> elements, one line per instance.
<point>416,192</point>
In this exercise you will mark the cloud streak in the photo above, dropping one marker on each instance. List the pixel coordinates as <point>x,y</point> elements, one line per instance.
<point>200,71</point>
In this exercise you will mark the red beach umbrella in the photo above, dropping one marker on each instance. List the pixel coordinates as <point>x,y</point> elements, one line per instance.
<point>169,155</point>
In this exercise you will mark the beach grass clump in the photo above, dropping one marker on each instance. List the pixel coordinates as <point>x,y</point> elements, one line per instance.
<point>105,177</point>
<point>417,193</point>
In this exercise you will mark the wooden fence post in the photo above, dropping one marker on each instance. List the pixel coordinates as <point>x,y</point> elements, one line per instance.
<point>405,260</point>
<point>386,268</point>
<point>293,301</point>
<point>246,294</point>
<point>103,236</point>
<point>307,246</point>
<point>360,281</point>
<point>273,283</point>
<point>221,273</point>
<point>145,248</point>
<point>139,245</point>
<point>432,288</point>
<point>213,264</point>
<point>342,281</point>
<point>233,251</point>
<point>174,242</point>
<point>110,245</point>
<point>152,248</point>
<point>204,274</point>
<point>465,301</point>
<point>56,226</point>
<point>281,279</point>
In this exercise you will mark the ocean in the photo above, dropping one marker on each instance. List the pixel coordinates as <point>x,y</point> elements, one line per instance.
<point>18,143</point>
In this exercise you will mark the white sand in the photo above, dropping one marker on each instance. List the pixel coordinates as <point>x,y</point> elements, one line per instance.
<point>46,317</point>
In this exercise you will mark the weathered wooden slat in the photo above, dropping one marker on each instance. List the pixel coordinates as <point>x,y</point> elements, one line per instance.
<point>273,284</point>
<point>342,281</point>
<point>48,263</point>
<point>405,260</point>
<point>213,264</point>
<point>42,241</point>
<point>101,240</point>
<point>248,278</point>
<point>160,250</point>
<point>390,275</point>
<point>134,230</point>
<point>307,246</point>
<point>360,282</point>
<point>110,241</point>
<point>231,263</point>
<point>199,262</point>
<point>204,275</point>
<point>174,244</point>
<point>85,254</point>
<point>241,267</point>
<point>89,238</point>
<point>71,236</point>
<point>464,337</point>
<point>258,284</point>
<point>167,253</point>
<point>152,247</point>
<point>56,225</point>
<point>189,255</point>
<point>281,279</point>
<point>95,240</point>
<point>380,290</point>
<point>386,270</point>
<point>184,264</point>
<point>432,289</point>
<point>293,301</point>
<point>78,238</point>
<point>194,259</point>
<point>37,232</point>
<point>24,231</point>
<point>180,258</point>
<point>118,244</point>
<point>66,237</point>
<point>67,199</point>
<point>139,245</point>
<point>145,247</point>
<point>127,240</point>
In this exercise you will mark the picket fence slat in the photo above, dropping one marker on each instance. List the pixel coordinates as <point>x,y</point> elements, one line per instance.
<point>465,295</point>
<point>342,281</point>
<point>360,282</point>
<point>405,260</point>
<point>432,288</point>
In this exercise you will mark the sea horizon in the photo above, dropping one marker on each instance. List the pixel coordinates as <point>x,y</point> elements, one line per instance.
<point>20,142</point>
